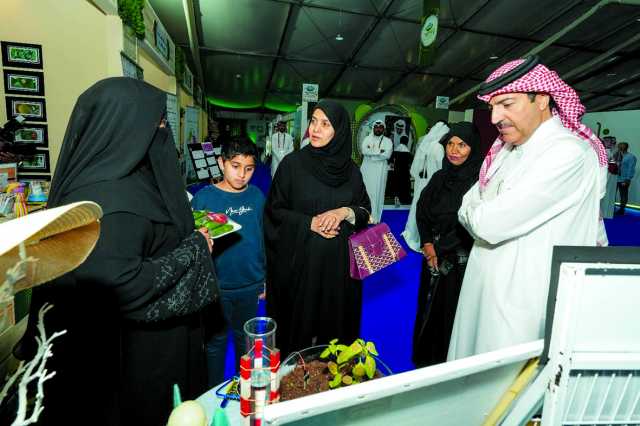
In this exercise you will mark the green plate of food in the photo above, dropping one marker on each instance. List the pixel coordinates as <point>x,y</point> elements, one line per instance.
<point>218,224</point>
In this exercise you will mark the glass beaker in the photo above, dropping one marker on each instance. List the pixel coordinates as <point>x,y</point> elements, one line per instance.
<point>260,342</point>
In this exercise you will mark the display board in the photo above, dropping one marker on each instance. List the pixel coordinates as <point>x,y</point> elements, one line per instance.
<point>203,161</point>
<point>191,135</point>
<point>173,117</point>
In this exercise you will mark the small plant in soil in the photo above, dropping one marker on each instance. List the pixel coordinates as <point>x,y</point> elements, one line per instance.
<point>350,364</point>
<point>337,365</point>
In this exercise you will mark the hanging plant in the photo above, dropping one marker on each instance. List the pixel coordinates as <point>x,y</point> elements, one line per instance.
<point>130,12</point>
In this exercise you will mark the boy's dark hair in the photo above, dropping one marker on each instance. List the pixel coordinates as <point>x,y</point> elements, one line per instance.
<point>239,145</point>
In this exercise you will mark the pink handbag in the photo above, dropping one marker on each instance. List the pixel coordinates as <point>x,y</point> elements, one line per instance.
<point>372,249</point>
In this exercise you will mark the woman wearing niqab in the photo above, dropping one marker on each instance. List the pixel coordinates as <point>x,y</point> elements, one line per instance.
<point>134,310</point>
<point>445,243</point>
<point>317,200</point>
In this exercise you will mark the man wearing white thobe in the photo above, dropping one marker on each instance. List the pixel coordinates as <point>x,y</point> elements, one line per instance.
<point>540,186</point>
<point>426,161</point>
<point>281,145</point>
<point>376,150</point>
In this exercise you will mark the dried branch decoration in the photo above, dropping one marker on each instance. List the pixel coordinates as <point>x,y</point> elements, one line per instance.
<point>33,371</point>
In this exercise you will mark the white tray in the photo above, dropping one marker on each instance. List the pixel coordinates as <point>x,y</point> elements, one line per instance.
<point>236,227</point>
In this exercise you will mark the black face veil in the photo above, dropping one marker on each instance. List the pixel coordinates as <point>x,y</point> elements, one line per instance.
<point>115,154</point>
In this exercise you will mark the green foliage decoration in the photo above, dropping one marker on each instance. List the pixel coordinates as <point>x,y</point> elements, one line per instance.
<point>350,364</point>
<point>130,12</point>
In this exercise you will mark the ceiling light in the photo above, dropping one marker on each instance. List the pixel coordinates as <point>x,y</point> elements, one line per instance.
<point>611,74</point>
<point>339,37</point>
<point>493,57</point>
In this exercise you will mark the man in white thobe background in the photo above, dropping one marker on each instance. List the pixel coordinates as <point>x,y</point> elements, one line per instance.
<point>281,145</point>
<point>376,150</point>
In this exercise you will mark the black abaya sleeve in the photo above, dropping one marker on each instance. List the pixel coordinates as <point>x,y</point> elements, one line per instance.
<point>278,206</point>
<point>361,203</point>
<point>148,289</point>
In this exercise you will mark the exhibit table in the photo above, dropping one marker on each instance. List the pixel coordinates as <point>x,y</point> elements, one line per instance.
<point>210,402</point>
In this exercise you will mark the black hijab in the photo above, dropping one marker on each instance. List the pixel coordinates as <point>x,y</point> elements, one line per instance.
<point>461,178</point>
<point>332,164</point>
<point>115,154</point>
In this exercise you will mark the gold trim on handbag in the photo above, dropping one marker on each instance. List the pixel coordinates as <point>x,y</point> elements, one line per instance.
<point>385,237</point>
<point>365,258</point>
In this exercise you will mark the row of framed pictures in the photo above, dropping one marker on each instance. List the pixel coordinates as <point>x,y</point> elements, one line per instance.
<point>27,82</point>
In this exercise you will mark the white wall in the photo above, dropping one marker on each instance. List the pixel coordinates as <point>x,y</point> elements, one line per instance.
<point>625,126</point>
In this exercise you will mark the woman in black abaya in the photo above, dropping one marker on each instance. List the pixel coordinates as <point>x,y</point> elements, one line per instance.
<point>134,309</point>
<point>445,243</point>
<point>317,200</point>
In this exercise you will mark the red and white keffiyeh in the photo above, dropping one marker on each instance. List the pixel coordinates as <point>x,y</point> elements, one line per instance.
<point>568,107</point>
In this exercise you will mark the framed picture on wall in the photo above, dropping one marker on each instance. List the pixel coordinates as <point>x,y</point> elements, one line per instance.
<point>35,134</point>
<point>130,68</point>
<point>20,82</point>
<point>21,55</point>
<point>38,162</point>
<point>33,109</point>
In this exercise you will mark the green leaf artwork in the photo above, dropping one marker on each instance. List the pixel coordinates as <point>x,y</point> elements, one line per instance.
<point>19,82</point>
<point>24,54</point>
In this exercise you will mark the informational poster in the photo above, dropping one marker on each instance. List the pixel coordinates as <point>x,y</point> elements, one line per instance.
<point>173,117</point>
<point>310,92</point>
<point>442,102</point>
<point>211,154</point>
<point>191,134</point>
<point>203,161</point>
<point>187,80</point>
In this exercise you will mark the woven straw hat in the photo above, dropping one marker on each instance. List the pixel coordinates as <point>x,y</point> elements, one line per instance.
<point>60,239</point>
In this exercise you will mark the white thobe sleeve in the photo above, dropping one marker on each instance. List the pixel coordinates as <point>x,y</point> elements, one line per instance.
<point>537,196</point>
<point>435,154</point>
<point>365,148</point>
<point>419,161</point>
<point>387,145</point>
<point>288,146</point>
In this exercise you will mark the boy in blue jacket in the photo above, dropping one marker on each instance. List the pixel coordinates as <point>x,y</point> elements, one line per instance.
<point>239,257</point>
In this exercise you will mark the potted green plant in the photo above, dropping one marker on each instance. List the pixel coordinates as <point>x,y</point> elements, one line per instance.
<point>325,367</point>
